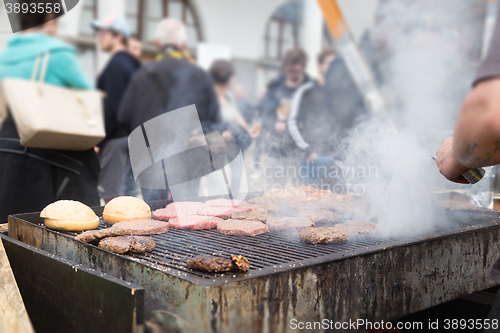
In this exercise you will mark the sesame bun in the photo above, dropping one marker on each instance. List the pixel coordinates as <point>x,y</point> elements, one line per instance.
<point>69,215</point>
<point>125,209</point>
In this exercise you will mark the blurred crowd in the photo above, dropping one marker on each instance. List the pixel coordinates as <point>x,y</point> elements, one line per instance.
<point>296,125</point>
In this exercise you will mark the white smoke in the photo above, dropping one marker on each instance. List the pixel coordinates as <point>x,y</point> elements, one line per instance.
<point>427,71</point>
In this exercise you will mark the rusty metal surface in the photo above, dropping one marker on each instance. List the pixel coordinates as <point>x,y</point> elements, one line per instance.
<point>63,297</point>
<point>385,281</point>
<point>377,286</point>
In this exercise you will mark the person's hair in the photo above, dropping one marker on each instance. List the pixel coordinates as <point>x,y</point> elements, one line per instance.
<point>124,39</point>
<point>295,56</point>
<point>328,52</point>
<point>222,71</point>
<point>30,20</point>
<point>171,32</point>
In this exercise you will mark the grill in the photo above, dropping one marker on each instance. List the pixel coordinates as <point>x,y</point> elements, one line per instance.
<point>363,278</point>
<point>267,253</point>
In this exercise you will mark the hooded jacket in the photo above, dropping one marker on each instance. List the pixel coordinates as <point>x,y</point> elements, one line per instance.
<point>182,83</point>
<point>307,123</point>
<point>18,60</point>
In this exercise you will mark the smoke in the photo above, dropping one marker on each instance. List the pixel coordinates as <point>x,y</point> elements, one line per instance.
<point>423,52</point>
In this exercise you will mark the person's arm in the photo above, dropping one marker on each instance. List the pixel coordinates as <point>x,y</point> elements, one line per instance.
<point>293,127</point>
<point>476,140</point>
<point>66,67</point>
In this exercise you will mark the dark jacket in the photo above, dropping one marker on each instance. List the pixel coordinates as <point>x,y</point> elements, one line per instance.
<point>307,122</point>
<point>32,178</point>
<point>184,83</point>
<point>343,98</point>
<point>114,81</point>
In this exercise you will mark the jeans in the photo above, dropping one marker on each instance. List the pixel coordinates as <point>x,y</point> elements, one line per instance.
<point>314,171</point>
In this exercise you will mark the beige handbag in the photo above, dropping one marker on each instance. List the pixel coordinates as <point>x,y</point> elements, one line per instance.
<point>53,117</point>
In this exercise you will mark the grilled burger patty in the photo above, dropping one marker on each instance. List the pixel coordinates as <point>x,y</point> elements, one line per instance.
<point>142,227</point>
<point>256,215</point>
<point>323,235</point>
<point>242,227</point>
<point>94,236</point>
<point>322,215</point>
<point>124,244</point>
<point>356,227</point>
<point>218,264</point>
<point>288,223</point>
<point>194,222</point>
<point>176,209</point>
<point>221,212</point>
<point>225,203</point>
<point>206,263</point>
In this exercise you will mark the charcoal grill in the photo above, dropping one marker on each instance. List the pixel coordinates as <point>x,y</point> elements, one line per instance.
<point>364,278</point>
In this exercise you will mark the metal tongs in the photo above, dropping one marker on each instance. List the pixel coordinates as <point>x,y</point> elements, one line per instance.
<point>473,176</point>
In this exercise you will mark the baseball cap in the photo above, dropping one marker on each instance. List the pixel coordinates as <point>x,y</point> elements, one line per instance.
<point>112,23</point>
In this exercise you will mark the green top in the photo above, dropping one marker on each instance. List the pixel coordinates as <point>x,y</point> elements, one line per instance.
<point>18,59</point>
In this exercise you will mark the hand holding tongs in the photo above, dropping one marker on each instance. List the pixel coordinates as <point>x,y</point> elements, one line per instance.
<point>473,176</point>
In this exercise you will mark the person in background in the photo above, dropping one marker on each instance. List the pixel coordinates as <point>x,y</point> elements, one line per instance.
<point>312,124</point>
<point>246,108</point>
<point>222,73</point>
<point>325,59</point>
<point>476,139</point>
<point>170,83</point>
<point>112,35</point>
<point>289,100</point>
<point>235,126</point>
<point>32,178</point>
<point>135,46</point>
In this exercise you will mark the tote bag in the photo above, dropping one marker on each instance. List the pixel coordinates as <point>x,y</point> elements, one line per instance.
<point>53,117</point>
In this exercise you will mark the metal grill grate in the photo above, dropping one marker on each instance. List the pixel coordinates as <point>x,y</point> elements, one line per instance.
<point>275,251</point>
<point>263,251</point>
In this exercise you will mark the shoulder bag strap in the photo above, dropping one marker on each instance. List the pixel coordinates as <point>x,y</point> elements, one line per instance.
<point>45,66</point>
<point>35,68</point>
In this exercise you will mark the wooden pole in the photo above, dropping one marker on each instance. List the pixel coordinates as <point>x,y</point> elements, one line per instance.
<point>13,315</point>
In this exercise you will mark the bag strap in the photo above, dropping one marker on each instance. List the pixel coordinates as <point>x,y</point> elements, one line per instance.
<point>45,65</point>
<point>43,71</point>
<point>35,68</point>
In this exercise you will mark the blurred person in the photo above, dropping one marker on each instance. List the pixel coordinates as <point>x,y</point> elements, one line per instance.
<point>235,126</point>
<point>32,178</point>
<point>325,59</point>
<point>246,108</point>
<point>291,100</point>
<point>170,83</point>
<point>222,73</point>
<point>134,46</point>
<point>343,98</point>
<point>315,125</point>
<point>476,140</point>
<point>112,35</point>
